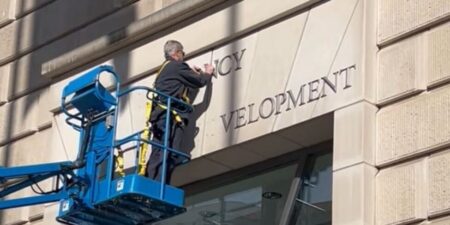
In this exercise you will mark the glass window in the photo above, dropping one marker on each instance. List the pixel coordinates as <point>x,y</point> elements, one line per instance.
<point>261,199</point>
<point>313,201</point>
<point>258,200</point>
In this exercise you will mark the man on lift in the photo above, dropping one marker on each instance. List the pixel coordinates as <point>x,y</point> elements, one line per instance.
<point>175,78</point>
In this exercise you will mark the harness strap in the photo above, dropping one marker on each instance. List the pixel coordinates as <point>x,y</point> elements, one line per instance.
<point>142,165</point>
<point>120,166</point>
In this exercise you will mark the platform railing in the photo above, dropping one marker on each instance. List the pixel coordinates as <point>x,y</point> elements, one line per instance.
<point>162,99</point>
<point>78,121</point>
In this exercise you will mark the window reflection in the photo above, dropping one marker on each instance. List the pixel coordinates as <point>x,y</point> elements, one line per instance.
<point>313,202</point>
<point>240,203</point>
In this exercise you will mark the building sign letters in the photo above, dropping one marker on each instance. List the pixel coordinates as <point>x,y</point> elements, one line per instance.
<point>306,93</point>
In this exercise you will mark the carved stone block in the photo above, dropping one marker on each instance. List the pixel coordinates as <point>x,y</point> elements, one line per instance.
<point>438,52</point>
<point>413,126</point>
<point>401,193</point>
<point>439,183</point>
<point>399,71</point>
<point>396,18</point>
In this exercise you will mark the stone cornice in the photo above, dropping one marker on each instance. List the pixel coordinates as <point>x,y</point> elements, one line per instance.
<point>117,39</point>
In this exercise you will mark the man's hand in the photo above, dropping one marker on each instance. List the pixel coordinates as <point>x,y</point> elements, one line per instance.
<point>196,69</point>
<point>209,69</point>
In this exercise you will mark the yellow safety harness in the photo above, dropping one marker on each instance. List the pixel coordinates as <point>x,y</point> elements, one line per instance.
<point>143,150</point>
<point>142,166</point>
<point>120,165</point>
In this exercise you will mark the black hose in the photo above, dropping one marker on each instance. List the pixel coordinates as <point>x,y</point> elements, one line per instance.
<point>80,161</point>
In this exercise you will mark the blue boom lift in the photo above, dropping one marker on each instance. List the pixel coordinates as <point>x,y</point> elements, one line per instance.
<point>89,190</point>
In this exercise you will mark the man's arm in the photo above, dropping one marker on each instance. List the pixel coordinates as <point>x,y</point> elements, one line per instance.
<point>192,78</point>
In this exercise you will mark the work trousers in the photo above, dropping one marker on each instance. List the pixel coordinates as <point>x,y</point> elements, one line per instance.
<point>155,162</point>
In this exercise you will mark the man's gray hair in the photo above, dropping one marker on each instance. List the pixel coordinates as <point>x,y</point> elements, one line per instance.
<point>171,47</point>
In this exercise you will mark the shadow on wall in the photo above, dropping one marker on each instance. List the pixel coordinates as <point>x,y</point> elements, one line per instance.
<point>191,131</point>
<point>23,91</point>
<point>13,114</point>
<point>31,63</point>
<point>232,98</point>
<point>122,64</point>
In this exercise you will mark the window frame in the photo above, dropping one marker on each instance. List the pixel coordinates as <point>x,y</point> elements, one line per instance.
<point>288,210</point>
<point>297,157</point>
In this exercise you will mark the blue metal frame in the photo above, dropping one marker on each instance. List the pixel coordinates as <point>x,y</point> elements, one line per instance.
<point>33,174</point>
<point>89,192</point>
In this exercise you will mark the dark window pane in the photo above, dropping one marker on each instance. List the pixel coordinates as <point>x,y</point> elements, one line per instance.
<point>313,202</point>
<point>257,200</point>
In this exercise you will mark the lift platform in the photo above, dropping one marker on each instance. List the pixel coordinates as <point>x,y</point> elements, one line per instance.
<point>89,190</point>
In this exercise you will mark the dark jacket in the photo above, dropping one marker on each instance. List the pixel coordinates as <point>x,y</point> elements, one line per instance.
<point>175,77</point>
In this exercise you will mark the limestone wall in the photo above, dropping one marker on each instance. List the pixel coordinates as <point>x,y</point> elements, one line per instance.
<point>412,125</point>
<point>46,43</point>
<point>378,67</point>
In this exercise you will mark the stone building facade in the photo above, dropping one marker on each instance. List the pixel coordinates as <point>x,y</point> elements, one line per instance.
<point>320,111</point>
